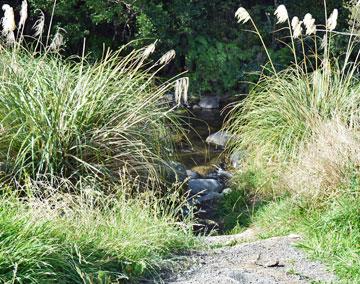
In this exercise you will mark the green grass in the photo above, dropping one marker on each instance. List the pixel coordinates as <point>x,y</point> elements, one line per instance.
<point>331,230</point>
<point>282,111</point>
<point>66,118</point>
<point>331,234</point>
<point>236,209</point>
<point>88,238</point>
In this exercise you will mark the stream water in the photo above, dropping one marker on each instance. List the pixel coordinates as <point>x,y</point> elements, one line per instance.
<point>198,154</point>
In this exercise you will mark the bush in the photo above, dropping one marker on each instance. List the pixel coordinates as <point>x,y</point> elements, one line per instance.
<point>285,109</point>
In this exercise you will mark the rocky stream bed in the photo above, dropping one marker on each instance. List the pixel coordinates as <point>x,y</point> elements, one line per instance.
<point>242,258</point>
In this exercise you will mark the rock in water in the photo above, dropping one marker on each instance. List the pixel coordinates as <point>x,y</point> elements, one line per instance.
<point>219,138</point>
<point>209,102</point>
<point>227,191</point>
<point>204,185</point>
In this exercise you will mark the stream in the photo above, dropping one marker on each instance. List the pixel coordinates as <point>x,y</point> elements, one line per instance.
<point>205,165</point>
<point>200,156</point>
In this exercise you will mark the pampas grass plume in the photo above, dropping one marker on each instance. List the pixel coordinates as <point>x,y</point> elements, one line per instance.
<point>281,14</point>
<point>332,21</point>
<point>309,23</point>
<point>167,57</point>
<point>242,15</point>
<point>39,25</point>
<point>8,21</point>
<point>23,13</point>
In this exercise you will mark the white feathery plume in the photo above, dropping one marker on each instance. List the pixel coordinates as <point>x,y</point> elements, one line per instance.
<point>57,41</point>
<point>39,25</point>
<point>309,23</point>
<point>181,90</point>
<point>294,22</point>
<point>23,13</point>
<point>281,14</point>
<point>8,21</point>
<point>149,50</point>
<point>167,57</point>
<point>242,15</point>
<point>297,29</point>
<point>332,21</point>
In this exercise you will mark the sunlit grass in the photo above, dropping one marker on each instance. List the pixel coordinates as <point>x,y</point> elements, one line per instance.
<point>60,118</point>
<point>89,238</point>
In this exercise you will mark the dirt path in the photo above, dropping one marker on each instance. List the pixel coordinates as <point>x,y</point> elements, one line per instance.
<point>269,261</point>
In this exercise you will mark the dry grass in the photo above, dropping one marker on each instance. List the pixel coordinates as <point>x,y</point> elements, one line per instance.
<point>325,163</point>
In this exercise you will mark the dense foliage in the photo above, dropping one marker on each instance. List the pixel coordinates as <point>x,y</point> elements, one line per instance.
<point>210,45</point>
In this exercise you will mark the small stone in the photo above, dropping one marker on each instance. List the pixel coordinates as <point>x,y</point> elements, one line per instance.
<point>196,107</point>
<point>236,158</point>
<point>209,102</point>
<point>169,98</point>
<point>219,138</point>
<point>204,185</point>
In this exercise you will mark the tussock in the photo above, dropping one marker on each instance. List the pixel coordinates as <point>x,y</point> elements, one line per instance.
<point>325,164</point>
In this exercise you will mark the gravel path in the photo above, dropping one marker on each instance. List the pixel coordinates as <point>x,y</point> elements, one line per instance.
<point>269,261</point>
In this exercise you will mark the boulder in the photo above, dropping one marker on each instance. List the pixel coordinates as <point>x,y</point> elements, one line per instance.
<point>204,185</point>
<point>209,102</point>
<point>220,138</point>
<point>196,107</point>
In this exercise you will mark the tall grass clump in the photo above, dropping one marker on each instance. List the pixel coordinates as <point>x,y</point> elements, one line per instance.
<point>62,118</point>
<point>88,238</point>
<point>300,129</point>
<point>326,164</point>
<point>285,108</point>
<point>82,150</point>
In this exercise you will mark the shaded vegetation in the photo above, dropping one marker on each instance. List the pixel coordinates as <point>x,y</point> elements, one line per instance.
<point>218,54</point>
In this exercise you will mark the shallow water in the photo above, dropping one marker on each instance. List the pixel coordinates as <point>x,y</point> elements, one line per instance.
<point>197,153</point>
